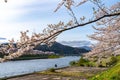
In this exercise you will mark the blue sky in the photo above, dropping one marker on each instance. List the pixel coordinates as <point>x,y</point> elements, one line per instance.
<point>34,15</point>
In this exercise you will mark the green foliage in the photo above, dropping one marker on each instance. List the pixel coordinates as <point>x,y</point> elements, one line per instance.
<point>106,62</point>
<point>73,63</point>
<point>51,70</point>
<point>112,61</point>
<point>3,79</point>
<point>53,56</point>
<point>111,74</point>
<point>85,62</point>
<point>115,76</point>
<point>82,62</point>
<point>92,64</point>
<point>37,56</point>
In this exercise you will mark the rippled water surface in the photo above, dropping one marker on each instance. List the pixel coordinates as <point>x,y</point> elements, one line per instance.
<point>13,68</point>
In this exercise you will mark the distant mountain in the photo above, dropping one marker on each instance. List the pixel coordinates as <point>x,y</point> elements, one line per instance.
<point>80,44</point>
<point>76,43</point>
<point>87,48</point>
<point>61,49</point>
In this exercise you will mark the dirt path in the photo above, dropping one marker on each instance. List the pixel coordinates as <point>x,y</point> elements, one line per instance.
<point>41,77</point>
<point>63,74</point>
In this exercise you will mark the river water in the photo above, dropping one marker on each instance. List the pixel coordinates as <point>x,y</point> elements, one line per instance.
<point>13,68</point>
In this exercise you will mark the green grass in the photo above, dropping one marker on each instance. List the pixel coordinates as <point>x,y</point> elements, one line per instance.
<point>82,62</point>
<point>38,56</point>
<point>67,74</point>
<point>54,56</point>
<point>112,73</point>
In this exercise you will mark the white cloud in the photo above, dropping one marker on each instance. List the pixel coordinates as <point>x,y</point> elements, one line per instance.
<point>11,9</point>
<point>14,8</point>
<point>14,13</point>
<point>12,30</point>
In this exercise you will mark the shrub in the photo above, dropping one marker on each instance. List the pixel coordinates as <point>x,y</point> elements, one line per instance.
<point>115,77</point>
<point>113,73</point>
<point>112,61</point>
<point>72,63</point>
<point>83,62</point>
<point>92,64</point>
<point>52,70</point>
<point>53,56</point>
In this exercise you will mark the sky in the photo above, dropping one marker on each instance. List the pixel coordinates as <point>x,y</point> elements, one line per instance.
<point>34,15</point>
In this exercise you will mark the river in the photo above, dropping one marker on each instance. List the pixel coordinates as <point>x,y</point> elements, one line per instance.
<point>13,68</point>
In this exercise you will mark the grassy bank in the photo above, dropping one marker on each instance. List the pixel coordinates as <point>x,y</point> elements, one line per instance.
<point>66,73</point>
<point>113,73</point>
<point>112,63</point>
<point>74,72</point>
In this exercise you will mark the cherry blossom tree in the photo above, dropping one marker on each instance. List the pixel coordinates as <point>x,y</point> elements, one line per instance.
<point>107,35</point>
<point>49,34</point>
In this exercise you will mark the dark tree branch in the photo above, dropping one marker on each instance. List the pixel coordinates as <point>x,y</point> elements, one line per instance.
<point>50,37</point>
<point>80,25</point>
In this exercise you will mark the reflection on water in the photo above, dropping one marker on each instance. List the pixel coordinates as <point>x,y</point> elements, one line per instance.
<point>13,68</point>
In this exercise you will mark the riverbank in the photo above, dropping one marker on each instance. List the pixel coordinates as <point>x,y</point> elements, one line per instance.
<point>42,56</point>
<point>67,73</point>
